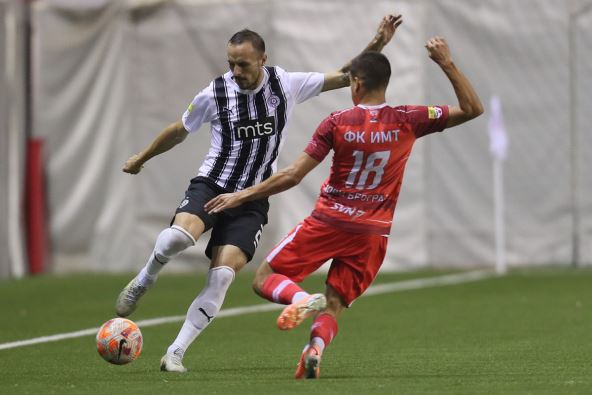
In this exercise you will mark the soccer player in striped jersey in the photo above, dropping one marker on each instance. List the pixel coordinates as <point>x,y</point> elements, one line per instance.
<point>248,109</point>
<point>352,218</point>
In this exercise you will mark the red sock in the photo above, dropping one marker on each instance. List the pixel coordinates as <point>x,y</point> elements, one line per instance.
<point>279,289</point>
<point>324,328</point>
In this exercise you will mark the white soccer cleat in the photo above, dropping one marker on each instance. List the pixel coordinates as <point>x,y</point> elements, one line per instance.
<point>128,298</point>
<point>172,362</point>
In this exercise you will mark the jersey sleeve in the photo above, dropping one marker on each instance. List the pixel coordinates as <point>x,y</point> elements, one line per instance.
<point>322,140</point>
<point>303,86</point>
<point>201,110</point>
<point>427,119</point>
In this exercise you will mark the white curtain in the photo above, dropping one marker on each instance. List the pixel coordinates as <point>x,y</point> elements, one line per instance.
<point>111,76</point>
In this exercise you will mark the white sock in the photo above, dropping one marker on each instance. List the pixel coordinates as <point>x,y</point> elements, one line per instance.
<point>299,296</point>
<point>204,308</point>
<point>319,342</point>
<point>169,243</point>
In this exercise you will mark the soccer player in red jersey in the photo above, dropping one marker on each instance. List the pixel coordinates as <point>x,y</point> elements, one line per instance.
<point>353,214</point>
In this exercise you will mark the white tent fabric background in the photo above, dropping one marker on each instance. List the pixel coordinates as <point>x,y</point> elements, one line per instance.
<point>109,77</point>
<point>515,50</point>
<point>583,95</point>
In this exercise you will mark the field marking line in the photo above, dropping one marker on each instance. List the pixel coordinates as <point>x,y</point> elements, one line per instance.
<point>450,279</point>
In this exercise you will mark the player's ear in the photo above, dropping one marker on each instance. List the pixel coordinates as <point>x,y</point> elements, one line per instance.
<point>356,85</point>
<point>263,59</point>
<point>358,89</point>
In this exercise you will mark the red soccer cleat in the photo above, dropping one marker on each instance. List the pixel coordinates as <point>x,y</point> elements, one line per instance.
<point>309,364</point>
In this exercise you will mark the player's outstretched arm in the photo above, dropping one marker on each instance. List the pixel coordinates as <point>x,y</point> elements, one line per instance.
<point>384,34</point>
<point>279,182</point>
<point>469,104</point>
<point>166,139</point>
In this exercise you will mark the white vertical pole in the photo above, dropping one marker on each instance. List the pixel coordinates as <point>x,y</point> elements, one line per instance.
<point>500,231</point>
<point>15,159</point>
<point>498,146</point>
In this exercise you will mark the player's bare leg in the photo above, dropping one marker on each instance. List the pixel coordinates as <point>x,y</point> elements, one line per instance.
<point>226,261</point>
<point>186,229</point>
<point>323,331</point>
<point>263,271</point>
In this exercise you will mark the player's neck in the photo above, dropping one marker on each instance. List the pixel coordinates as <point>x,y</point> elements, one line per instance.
<point>372,99</point>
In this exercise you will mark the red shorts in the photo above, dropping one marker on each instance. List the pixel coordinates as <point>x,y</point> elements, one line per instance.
<point>356,256</point>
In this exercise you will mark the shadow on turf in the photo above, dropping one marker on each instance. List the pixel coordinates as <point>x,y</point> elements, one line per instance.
<point>216,371</point>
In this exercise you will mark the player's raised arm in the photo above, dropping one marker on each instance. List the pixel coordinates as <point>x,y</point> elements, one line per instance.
<point>384,34</point>
<point>166,139</point>
<point>469,104</point>
<point>281,181</point>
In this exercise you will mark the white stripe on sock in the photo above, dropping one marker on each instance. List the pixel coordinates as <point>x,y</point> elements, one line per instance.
<point>278,290</point>
<point>319,342</point>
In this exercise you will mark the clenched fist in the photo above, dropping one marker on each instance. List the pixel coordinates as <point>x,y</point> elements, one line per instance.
<point>133,165</point>
<point>438,51</point>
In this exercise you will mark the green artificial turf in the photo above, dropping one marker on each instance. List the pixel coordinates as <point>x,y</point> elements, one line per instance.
<point>524,333</point>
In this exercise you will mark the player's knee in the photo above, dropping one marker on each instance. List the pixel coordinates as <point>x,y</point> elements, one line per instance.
<point>263,272</point>
<point>228,256</point>
<point>172,241</point>
<point>334,304</point>
<point>258,282</point>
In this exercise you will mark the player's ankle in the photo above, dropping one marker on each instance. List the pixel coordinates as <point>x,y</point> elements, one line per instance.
<point>176,349</point>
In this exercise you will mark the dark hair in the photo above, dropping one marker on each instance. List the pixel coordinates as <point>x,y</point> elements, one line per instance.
<point>248,35</point>
<point>373,68</point>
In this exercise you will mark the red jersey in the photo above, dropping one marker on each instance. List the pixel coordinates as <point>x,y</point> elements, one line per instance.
<point>371,146</point>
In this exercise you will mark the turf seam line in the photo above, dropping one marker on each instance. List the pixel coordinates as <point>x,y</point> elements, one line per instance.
<point>450,279</point>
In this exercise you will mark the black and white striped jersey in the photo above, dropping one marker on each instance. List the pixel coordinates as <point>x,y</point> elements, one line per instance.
<point>247,127</point>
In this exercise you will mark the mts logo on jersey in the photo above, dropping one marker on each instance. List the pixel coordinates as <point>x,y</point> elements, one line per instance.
<point>254,128</point>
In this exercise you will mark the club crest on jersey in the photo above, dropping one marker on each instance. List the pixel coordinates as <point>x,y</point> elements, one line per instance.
<point>273,101</point>
<point>434,112</point>
<point>373,116</point>
<point>228,110</point>
<point>254,128</point>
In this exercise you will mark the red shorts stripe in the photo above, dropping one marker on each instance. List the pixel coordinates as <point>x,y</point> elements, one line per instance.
<point>283,243</point>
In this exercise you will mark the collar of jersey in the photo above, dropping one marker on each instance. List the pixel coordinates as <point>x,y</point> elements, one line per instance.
<point>376,107</point>
<point>252,91</point>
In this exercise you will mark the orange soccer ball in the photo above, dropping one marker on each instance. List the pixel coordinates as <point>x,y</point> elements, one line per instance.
<point>119,341</point>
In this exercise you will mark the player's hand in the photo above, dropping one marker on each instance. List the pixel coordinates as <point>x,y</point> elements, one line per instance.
<point>133,165</point>
<point>386,29</point>
<point>222,202</point>
<point>438,51</point>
